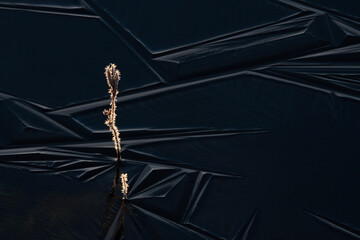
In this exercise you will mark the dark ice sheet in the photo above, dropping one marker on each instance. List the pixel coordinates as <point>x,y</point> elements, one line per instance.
<point>239,119</point>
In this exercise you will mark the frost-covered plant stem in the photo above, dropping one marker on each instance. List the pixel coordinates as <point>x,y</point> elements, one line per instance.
<point>125,185</point>
<point>113,78</point>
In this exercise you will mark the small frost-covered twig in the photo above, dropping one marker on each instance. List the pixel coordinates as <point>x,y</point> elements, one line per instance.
<point>125,185</point>
<point>113,78</point>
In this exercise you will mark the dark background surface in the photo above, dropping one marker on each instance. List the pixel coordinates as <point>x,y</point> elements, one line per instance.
<point>239,119</point>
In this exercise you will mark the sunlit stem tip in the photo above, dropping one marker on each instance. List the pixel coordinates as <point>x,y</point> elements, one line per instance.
<point>125,185</point>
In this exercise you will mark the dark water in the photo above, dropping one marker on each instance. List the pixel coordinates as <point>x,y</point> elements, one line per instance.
<point>238,119</point>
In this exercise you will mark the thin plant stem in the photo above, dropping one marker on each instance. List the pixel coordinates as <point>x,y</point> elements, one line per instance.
<point>113,77</point>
